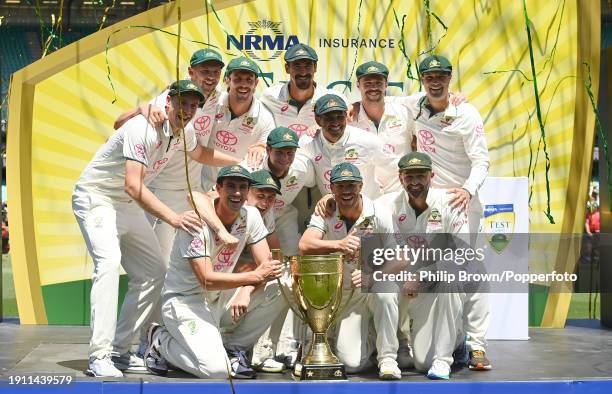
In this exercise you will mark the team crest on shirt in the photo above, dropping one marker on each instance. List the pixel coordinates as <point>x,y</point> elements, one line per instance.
<point>351,154</point>
<point>249,122</point>
<point>394,123</point>
<point>434,221</point>
<point>291,181</point>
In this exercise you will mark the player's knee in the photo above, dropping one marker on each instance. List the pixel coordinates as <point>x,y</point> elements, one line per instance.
<point>213,369</point>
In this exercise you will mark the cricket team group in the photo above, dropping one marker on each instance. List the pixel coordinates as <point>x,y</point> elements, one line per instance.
<point>194,189</point>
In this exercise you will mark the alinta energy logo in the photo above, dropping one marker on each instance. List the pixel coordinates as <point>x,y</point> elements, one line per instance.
<point>264,41</point>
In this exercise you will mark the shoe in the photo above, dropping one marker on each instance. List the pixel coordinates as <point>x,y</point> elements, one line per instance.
<point>439,370</point>
<point>129,362</point>
<point>142,348</point>
<point>478,361</point>
<point>404,355</point>
<point>461,355</point>
<point>270,365</point>
<point>388,370</point>
<point>103,368</point>
<point>291,359</point>
<point>241,369</point>
<point>262,351</point>
<point>153,360</point>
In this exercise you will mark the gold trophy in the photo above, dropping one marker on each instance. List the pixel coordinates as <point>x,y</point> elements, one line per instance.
<point>317,288</point>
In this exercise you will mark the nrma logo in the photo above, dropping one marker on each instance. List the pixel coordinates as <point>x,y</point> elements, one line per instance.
<point>264,41</point>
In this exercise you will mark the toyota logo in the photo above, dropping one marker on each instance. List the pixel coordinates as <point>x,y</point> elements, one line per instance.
<point>298,128</point>
<point>225,256</point>
<point>226,138</point>
<point>202,123</point>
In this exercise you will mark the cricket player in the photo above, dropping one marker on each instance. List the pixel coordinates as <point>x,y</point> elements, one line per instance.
<point>292,102</point>
<point>108,202</point>
<point>338,142</point>
<point>435,318</point>
<point>170,186</point>
<point>392,122</point>
<point>211,314</point>
<point>357,216</point>
<point>240,122</point>
<point>454,138</point>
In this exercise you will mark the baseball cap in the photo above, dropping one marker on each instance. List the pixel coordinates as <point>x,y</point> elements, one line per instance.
<point>435,63</point>
<point>372,68</point>
<point>282,137</point>
<point>241,63</point>
<point>263,179</point>
<point>415,161</point>
<point>328,103</point>
<point>300,51</point>
<point>345,172</point>
<point>206,55</point>
<point>185,86</point>
<point>234,171</point>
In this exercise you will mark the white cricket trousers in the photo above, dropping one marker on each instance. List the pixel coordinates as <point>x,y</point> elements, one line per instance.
<point>434,326</point>
<point>118,234</point>
<point>198,331</point>
<point>355,341</point>
<point>476,305</point>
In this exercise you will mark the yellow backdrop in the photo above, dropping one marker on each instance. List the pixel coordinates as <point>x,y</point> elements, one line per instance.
<point>61,107</point>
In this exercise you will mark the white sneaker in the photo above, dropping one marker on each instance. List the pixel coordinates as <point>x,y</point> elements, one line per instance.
<point>129,362</point>
<point>388,370</point>
<point>103,368</point>
<point>439,370</point>
<point>270,365</point>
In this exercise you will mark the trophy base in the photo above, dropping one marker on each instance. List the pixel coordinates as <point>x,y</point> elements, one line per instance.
<point>319,372</point>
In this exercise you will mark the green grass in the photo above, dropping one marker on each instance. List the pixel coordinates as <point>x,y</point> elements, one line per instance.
<point>579,306</point>
<point>9,303</point>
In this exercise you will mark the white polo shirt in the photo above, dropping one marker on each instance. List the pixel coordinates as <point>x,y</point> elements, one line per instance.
<point>356,146</point>
<point>395,130</point>
<point>439,217</point>
<point>180,280</point>
<point>173,176</point>
<point>456,142</point>
<point>285,109</point>
<point>374,218</point>
<point>301,174</point>
<point>136,140</point>
<point>234,135</point>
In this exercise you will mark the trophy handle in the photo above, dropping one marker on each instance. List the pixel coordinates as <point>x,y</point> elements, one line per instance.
<point>337,310</point>
<point>277,254</point>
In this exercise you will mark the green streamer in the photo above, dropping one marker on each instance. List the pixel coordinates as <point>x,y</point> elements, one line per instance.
<point>108,68</point>
<point>508,71</point>
<point>588,85</point>
<point>105,15</point>
<point>539,113</point>
<point>432,48</point>
<point>350,75</point>
<point>402,46</point>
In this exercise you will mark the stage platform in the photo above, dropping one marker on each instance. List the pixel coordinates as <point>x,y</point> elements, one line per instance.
<point>577,359</point>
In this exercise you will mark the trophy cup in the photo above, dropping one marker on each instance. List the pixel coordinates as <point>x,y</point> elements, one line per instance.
<point>317,288</point>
